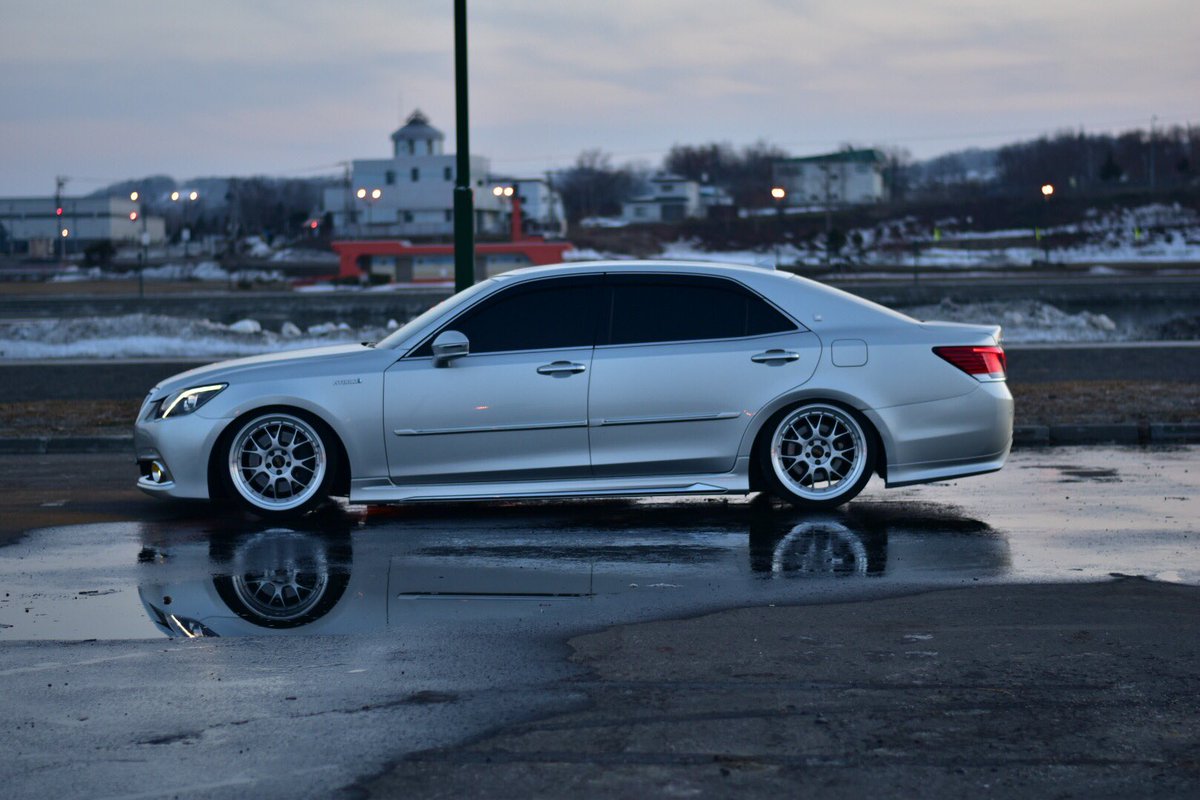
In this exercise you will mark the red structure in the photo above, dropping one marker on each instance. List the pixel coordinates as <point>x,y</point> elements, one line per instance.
<point>356,254</point>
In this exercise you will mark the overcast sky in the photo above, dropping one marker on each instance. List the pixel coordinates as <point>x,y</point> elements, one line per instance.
<point>104,91</point>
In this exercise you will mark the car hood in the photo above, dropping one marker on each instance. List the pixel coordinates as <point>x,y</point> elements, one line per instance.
<point>223,371</point>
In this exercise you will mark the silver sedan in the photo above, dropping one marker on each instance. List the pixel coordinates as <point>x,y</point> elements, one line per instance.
<point>627,378</point>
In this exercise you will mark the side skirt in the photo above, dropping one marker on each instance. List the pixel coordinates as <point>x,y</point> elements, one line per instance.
<point>381,490</point>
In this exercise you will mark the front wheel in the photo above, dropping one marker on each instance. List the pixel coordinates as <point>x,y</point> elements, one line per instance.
<point>280,465</point>
<point>819,456</point>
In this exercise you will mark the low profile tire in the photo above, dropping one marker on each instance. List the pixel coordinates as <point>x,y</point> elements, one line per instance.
<point>817,456</point>
<point>280,465</point>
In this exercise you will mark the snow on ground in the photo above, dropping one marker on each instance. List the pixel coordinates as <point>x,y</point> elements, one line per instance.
<point>200,271</point>
<point>1028,321</point>
<point>157,336</point>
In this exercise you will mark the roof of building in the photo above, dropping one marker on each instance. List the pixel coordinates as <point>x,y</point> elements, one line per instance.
<point>417,127</point>
<point>869,156</point>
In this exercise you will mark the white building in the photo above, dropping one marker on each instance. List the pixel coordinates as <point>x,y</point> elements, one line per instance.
<point>673,199</point>
<point>33,226</point>
<point>541,206</point>
<point>845,177</point>
<point>411,194</point>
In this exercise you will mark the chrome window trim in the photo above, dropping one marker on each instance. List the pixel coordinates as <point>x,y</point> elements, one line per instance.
<point>448,319</point>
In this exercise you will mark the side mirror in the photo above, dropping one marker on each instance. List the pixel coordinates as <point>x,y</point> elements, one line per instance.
<point>448,346</point>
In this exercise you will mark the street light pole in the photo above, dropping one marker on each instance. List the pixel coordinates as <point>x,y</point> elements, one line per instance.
<point>464,211</point>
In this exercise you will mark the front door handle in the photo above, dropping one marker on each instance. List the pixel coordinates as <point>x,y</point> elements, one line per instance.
<point>561,368</point>
<point>771,356</point>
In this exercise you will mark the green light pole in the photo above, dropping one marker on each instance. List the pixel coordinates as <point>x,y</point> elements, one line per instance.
<point>464,207</point>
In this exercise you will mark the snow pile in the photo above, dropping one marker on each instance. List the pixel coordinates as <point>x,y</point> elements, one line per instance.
<point>1027,321</point>
<point>200,271</point>
<point>157,336</point>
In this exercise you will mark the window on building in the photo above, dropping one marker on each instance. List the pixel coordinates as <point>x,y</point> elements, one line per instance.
<point>449,215</point>
<point>448,173</point>
<point>668,187</point>
<point>408,216</point>
<point>416,174</point>
<point>648,309</point>
<point>389,177</point>
<point>412,147</point>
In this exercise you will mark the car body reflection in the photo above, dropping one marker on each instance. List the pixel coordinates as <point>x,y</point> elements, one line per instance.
<point>354,574</point>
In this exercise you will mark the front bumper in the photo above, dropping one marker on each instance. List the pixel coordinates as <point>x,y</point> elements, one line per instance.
<point>182,445</point>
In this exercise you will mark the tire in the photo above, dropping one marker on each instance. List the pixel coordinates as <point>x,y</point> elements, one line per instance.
<point>280,465</point>
<point>817,455</point>
<point>282,578</point>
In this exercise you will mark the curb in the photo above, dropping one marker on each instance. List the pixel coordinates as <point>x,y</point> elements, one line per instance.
<point>53,445</point>
<point>1156,433</point>
<point>1152,433</point>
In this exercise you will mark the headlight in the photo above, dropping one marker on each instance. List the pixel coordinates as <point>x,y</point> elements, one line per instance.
<point>189,400</point>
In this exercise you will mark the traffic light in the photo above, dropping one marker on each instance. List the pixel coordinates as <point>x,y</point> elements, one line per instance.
<point>133,215</point>
<point>58,211</point>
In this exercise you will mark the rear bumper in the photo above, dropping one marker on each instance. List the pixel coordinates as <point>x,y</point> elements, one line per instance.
<point>953,438</point>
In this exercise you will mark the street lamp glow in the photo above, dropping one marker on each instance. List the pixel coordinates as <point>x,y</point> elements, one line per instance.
<point>133,196</point>
<point>174,197</point>
<point>65,233</point>
<point>778,192</point>
<point>376,194</point>
<point>361,194</point>
<point>498,190</point>
<point>194,196</point>
<point>1047,189</point>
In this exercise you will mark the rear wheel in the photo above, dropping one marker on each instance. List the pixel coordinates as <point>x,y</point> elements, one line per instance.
<point>280,464</point>
<point>819,455</point>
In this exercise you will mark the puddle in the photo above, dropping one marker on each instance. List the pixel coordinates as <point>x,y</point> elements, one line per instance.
<point>581,564</point>
<point>362,573</point>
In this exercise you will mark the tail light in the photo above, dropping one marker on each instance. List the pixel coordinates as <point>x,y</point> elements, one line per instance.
<point>981,363</point>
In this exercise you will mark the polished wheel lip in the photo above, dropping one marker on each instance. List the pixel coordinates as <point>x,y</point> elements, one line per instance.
<point>821,444</point>
<point>282,593</point>
<point>289,453</point>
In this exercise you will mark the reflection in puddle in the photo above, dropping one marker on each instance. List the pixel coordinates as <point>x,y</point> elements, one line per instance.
<point>349,573</point>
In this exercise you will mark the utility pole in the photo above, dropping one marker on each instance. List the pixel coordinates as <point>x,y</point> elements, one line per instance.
<point>59,182</point>
<point>1153,121</point>
<point>464,211</point>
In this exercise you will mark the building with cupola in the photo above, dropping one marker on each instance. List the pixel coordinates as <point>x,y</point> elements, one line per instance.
<point>411,194</point>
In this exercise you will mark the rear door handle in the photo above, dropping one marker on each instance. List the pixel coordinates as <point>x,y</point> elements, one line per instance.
<point>775,355</point>
<point>561,368</point>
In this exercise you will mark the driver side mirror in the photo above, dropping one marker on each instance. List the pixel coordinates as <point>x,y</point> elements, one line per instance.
<point>448,346</point>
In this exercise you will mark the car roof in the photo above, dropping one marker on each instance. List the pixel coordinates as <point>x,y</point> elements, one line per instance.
<point>640,266</point>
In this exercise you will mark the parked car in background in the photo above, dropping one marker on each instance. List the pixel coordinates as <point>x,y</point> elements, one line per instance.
<point>605,378</point>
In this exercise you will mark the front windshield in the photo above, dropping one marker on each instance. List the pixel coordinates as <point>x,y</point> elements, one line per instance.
<point>416,323</point>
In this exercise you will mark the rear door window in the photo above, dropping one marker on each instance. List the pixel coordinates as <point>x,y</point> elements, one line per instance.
<point>644,309</point>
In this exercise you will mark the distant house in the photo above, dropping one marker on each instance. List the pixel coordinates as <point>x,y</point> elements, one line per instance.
<point>541,204</point>
<point>847,176</point>
<point>40,226</point>
<point>673,199</point>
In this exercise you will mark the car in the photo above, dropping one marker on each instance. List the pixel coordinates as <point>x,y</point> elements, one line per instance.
<point>599,378</point>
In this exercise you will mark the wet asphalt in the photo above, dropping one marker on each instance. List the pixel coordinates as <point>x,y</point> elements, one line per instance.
<point>151,649</point>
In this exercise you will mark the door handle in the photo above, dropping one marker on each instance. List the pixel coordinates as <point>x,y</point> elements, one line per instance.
<point>775,355</point>
<point>561,368</point>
